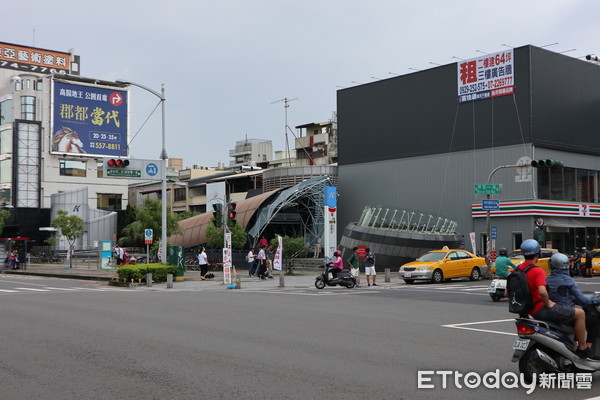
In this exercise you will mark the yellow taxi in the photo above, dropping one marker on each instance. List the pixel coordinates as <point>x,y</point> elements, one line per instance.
<point>595,261</point>
<point>437,265</point>
<point>516,257</point>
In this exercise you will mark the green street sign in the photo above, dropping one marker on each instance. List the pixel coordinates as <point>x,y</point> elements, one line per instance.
<point>124,173</point>
<point>489,188</point>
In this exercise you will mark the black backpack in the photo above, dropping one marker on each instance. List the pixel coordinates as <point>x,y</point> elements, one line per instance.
<point>519,295</point>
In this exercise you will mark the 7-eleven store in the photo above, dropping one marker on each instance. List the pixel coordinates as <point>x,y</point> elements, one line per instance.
<point>561,225</point>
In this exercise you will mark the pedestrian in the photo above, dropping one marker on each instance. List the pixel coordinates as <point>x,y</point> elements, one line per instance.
<point>263,241</point>
<point>203,263</point>
<point>118,252</point>
<point>250,261</point>
<point>353,264</point>
<point>317,248</point>
<point>269,255</point>
<point>13,260</point>
<point>262,263</point>
<point>370,267</point>
<point>587,271</point>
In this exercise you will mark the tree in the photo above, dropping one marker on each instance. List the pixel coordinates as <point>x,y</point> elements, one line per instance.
<point>292,248</point>
<point>149,217</point>
<point>214,235</point>
<point>71,227</point>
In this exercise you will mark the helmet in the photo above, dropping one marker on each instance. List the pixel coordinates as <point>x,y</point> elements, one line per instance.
<point>503,252</point>
<point>337,253</point>
<point>584,248</point>
<point>530,248</point>
<point>559,261</point>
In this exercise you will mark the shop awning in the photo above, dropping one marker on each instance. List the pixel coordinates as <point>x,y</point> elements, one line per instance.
<point>572,222</point>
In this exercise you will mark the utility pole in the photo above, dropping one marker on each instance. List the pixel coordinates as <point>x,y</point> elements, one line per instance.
<point>286,105</point>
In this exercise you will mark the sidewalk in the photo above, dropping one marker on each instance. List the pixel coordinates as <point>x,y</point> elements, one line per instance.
<point>192,281</point>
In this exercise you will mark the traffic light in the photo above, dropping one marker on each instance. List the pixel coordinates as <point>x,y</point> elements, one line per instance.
<point>231,215</point>
<point>217,214</point>
<point>546,163</point>
<point>118,163</point>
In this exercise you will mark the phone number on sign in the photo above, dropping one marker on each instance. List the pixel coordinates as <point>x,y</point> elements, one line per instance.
<point>498,83</point>
<point>108,146</point>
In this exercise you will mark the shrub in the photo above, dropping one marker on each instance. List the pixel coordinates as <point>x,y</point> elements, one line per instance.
<point>138,271</point>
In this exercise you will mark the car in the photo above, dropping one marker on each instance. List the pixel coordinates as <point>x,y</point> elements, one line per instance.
<point>516,257</point>
<point>445,264</point>
<point>595,261</point>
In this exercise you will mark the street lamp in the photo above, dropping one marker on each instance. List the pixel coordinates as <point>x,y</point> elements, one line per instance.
<point>163,157</point>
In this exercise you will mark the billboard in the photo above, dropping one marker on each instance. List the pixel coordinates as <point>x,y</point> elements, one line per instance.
<point>484,77</point>
<point>89,120</point>
<point>32,59</point>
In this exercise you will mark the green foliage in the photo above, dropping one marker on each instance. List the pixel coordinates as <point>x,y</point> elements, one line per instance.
<point>291,246</point>
<point>4,214</point>
<point>138,271</point>
<point>214,235</point>
<point>150,217</point>
<point>52,240</point>
<point>71,226</point>
<point>186,215</point>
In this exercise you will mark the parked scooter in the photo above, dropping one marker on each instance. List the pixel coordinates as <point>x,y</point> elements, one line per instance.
<point>549,347</point>
<point>344,278</point>
<point>497,287</point>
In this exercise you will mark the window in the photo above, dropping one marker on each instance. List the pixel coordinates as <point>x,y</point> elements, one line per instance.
<point>72,168</point>
<point>28,108</point>
<point>109,202</point>
<point>6,171</point>
<point>179,194</point>
<point>6,112</point>
<point>100,170</point>
<point>570,184</point>
<point>6,143</point>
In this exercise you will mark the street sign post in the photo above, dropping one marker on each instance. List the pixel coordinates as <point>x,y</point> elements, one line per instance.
<point>490,204</point>
<point>148,233</point>
<point>487,188</point>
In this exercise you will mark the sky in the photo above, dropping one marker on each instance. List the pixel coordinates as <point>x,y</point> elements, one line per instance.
<point>225,64</point>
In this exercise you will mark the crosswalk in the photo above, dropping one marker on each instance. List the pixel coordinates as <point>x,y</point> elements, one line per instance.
<point>480,289</point>
<point>47,289</point>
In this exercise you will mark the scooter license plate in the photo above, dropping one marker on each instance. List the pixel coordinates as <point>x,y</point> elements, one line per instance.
<point>521,344</point>
<point>407,274</point>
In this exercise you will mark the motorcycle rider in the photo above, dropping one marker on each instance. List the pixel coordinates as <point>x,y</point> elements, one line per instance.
<point>564,290</point>
<point>547,310</point>
<point>503,263</point>
<point>337,264</point>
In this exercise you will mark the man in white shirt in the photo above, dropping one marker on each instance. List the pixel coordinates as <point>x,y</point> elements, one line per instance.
<point>203,263</point>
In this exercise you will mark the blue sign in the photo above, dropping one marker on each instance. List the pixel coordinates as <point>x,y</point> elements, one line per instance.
<point>494,232</point>
<point>148,232</point>
<point>89,120</point>
<point>490,204</point>
<point>331,196</point>
<point>152,169</point>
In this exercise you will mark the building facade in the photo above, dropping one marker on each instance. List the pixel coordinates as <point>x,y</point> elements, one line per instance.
<point>251,152</point>
<point>416,142</point>
<point>34,163</point>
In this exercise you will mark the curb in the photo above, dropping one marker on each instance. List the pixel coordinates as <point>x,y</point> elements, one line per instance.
<point>65,276</point>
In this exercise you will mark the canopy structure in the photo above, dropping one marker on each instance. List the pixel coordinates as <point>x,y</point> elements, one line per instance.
<point>294,211</point>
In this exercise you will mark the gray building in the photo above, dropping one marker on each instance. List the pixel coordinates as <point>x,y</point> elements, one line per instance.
<point>408,143</point>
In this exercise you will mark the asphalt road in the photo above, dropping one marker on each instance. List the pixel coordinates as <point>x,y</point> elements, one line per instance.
<point>72,339</point>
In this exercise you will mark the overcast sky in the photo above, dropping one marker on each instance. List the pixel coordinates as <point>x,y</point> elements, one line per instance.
<point>224,62</point>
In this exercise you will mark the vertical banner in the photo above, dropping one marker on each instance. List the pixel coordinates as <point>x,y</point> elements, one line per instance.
<point>227,259</point>
<point>330,228</point>
<point>472,236</point>
<point>277,261</point>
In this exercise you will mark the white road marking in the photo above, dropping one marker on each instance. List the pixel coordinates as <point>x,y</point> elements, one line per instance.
<point>32,289</point>
<point>465,325</point>
<point>9,291</point>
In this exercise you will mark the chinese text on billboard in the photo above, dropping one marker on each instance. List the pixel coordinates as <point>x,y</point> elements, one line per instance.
<point>89,120</point>
<point>485,77</point>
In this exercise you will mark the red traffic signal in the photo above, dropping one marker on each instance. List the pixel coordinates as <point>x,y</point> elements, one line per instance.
<point>231,215</point>
<point>118,163</point>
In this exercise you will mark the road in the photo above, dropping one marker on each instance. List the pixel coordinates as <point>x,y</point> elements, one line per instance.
<point>72,339</point>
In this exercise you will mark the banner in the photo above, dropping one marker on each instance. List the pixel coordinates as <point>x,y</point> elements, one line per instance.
<point>89,120</point>
<point>484,77</point>
<point>330,225</point>
<point>227,262</point>
<point>277,261</point>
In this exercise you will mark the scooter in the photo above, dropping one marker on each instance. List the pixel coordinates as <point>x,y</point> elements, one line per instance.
<point>497,287</point>
<point>547,347</point>
<point>344,278</point>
